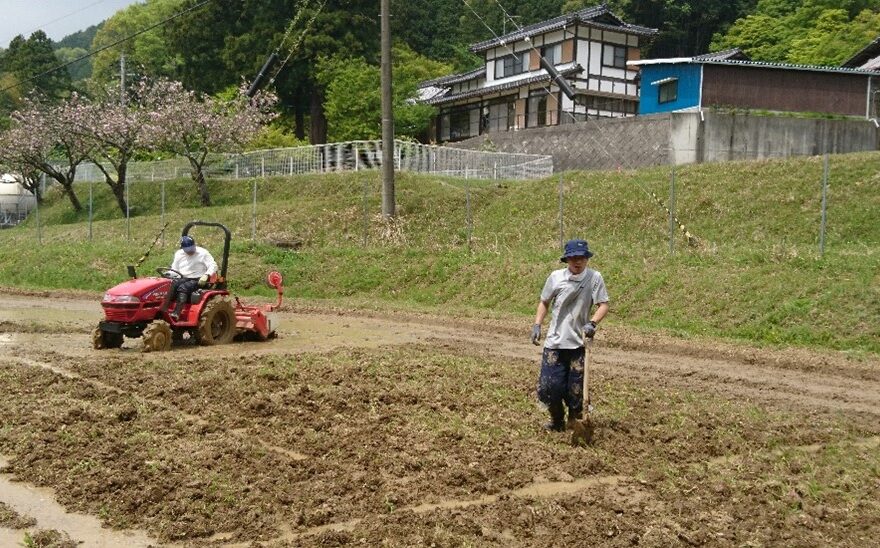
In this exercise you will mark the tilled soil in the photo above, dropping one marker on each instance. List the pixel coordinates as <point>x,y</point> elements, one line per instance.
<point>366,429</point>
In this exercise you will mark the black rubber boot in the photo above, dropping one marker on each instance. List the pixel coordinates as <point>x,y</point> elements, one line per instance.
<point>178,308</point>
<point>557,419</point>
<point>573,418</point>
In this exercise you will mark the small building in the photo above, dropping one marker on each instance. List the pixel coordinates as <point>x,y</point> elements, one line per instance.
<point>510,91</point>
<point>729,80</point>
<point>867,59</point>
<point>15,201</point>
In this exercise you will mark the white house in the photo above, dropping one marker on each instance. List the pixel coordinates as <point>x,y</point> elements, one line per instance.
<point>590,48</point>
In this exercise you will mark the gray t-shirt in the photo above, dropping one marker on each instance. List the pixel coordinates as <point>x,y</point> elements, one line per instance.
<point>571,313</point>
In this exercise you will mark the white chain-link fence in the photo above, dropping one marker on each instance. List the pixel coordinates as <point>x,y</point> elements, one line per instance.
<point>349,156</point>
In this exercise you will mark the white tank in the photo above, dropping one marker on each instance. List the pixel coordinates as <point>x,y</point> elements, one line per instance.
<point>15,201</point>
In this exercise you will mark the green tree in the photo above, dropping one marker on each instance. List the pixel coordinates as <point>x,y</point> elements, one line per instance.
<point>31,62</point>
<point>240,34</point>
<point>147,54</point>
<point>79,71</point>
<point>819,32</point>
<point>353,116</point>
<point>686,26</point>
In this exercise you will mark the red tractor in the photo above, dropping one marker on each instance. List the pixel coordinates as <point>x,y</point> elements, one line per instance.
<point>212,316</point>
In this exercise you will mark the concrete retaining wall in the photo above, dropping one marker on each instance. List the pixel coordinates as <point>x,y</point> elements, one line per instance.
<point>682,138</point>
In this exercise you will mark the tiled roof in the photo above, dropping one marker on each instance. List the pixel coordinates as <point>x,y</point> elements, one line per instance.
<point>599,16</point>
<point>790,66</point>
<point>753,64</point>
<point>436,100</point>
<point>454,78</point>
<point>865,57</point>
<point>732,54</point>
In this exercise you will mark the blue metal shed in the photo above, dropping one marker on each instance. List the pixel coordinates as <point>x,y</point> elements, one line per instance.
<point>670,86</point>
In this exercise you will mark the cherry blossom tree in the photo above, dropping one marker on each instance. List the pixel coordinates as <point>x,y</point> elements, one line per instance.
<point>200,127</point>
<point>115,131</point>
<point>42,140</point>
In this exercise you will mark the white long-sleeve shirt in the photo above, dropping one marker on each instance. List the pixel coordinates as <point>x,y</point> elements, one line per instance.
<point>194,266</point>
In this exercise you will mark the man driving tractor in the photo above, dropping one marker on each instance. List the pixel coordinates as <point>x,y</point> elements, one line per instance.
<point>195,265</point>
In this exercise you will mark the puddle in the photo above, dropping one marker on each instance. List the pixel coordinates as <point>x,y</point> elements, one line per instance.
<point>40,504</point>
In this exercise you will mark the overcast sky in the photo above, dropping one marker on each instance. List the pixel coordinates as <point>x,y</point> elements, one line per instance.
<point>57,18</point>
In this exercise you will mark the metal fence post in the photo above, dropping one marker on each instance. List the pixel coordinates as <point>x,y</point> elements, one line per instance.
<point>672,212</point>
<point>561,212</point>
<point>236,170</point>
<point>254,214</point>
<point>91,210</point>
<point>824,208</point>
<point>470,223</point>
<point>37,211</point>
<point>357,159</point>
<point>366,209</point>
<point>263,167</point>
<point>128,208</point>
<point>163,211</point>
<point>290,161</point>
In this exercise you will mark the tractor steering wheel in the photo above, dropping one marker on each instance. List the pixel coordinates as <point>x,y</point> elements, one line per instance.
<point>164,272</point>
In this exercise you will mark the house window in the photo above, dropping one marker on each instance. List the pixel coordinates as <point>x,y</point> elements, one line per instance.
<point>510,65</point>
<point>668,91</point>
<point>459,124</point>
<point>553,54</point>
<point>502,114</point>
<point>614,56</point>
<point>608,106</point>
<point>537,111</point>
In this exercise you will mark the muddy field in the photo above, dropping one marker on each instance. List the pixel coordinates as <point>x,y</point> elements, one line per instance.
<point>372,429</point>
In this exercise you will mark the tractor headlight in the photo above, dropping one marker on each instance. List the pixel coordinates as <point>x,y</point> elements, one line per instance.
<point>120,299</point>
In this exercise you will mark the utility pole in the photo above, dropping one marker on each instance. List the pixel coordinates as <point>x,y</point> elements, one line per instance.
<point>388,202</point>
<point>122,79</point>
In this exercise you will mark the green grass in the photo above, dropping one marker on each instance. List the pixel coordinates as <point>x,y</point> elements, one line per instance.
<point>756,275</point>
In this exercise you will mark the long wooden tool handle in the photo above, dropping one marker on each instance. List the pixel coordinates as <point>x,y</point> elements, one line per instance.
<point>587,358</point>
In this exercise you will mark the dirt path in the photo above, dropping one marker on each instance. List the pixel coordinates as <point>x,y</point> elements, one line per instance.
<point>844,388</point>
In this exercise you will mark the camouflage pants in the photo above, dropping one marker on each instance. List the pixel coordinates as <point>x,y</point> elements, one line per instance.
<point>562,380</point>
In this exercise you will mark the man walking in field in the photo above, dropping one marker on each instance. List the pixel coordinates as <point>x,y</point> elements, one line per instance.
<point>571,292</point>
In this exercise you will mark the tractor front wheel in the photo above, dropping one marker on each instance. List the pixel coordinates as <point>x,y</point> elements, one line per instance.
<point>217,322</point>
<point>157,337</point>
<point>102,340</point>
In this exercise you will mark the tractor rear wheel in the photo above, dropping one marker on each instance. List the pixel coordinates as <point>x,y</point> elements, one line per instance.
<point>217,322</point>
<point>157,337</point>
<point>102,340</point>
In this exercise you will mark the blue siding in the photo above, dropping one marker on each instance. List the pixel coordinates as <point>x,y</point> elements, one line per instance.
<point>688,75</point>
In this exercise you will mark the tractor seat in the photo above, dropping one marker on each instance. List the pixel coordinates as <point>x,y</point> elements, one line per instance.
<point>196,296</point>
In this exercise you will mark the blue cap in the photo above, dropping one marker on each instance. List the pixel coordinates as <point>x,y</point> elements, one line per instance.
<point>576,248</point>
<point>187,244</point>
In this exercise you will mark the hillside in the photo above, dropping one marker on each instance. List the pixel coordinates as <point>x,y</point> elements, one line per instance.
<point>755,274</point>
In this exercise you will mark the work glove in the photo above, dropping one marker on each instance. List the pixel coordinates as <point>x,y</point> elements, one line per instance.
<point>536,334</point>
<point>590,329</point>
<point>203,281</point>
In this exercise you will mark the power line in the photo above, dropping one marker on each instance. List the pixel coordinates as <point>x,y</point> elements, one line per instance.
<point>99,50</point>
<point>513,50</point>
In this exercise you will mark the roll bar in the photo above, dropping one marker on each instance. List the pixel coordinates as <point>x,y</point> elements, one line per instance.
<point>225,259</point>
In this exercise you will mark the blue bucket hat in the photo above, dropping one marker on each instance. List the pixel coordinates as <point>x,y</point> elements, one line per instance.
<point>576,248</point>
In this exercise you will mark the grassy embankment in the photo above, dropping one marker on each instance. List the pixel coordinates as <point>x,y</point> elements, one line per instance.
<point>755,276</point>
